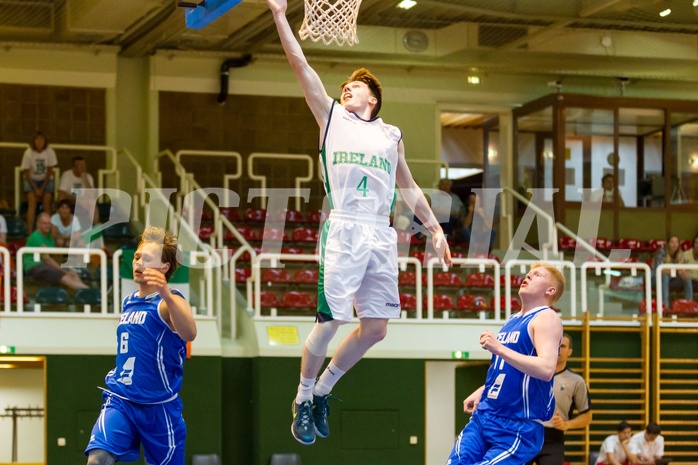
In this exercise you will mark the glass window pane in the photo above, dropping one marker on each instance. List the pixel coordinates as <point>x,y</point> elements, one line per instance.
<point>684,158</point>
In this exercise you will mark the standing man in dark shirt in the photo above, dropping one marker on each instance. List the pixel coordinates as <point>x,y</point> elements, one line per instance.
<point>571,393</point>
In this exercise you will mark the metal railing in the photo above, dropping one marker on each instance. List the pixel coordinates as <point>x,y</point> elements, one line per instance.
<point>84,252</point>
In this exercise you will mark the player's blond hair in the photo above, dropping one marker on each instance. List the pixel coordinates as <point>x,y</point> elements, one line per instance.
<point>557,277</point>
<point>159,236</point>
<point>365,76</point>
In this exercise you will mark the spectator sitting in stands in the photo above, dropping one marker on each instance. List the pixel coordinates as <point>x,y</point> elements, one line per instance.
<point>455,210</point>
<point>615,448</point>
<point>605,192</point>
<point>671,253</point>
<point>467,234</point>
<point>47,268</point>
<point>65,225</point>
<point>690,256</point>
<point>37,163</point>
<point>75,178</point>
<point>648,445</point>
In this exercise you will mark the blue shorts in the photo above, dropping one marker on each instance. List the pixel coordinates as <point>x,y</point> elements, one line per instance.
<point>47,190</point>
<point>488,440</point>
<point>123,426</point>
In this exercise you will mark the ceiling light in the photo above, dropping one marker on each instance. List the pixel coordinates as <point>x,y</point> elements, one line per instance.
<point>473,80</point>
<point>406,4</point>
<point>695,2</point>
<point>7,365</point>
<point>666,12</point>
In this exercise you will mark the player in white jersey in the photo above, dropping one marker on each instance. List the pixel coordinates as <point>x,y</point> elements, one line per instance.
<point>508,411</point>
<point>142,406</point>
<point>362,160</point>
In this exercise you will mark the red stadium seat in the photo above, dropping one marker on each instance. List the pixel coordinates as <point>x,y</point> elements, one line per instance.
<point>422,256</point>
<point>290,216</point>
<point>567,243</point>
<point>446,278</point>
<point>13,295</point>
<point>407,278</point>
<point>306,277</point>
<point>305,235</point>
<point>403,237</point>
<point>273,234</point>
<point>601,244</point>
<point>686,245</point>
<point>655,244</point>
<point>317,216</point>
<point>683,307</point>
<point>479,280</point>
<point>14,246</point>
<point>276,275</point>
<point>441,302</point>
<point>514,279</point>
<point>230,213</point>
<point>408,302</point>
<point>248,233</point>
<point>268,299</point>
<point>515,304</point>
<point>298,299</point>
<point>632,244</point>
<point>472,302</point>
<point>241,274</point>
<point>642,307</point>
<point>292,250</point>
<point>255,214</point>
<point>205,232</point>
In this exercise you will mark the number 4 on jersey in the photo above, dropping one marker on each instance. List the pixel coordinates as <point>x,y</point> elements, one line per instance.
<point>362,187</point>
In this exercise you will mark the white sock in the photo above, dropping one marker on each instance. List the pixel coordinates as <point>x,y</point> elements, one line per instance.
<point>328,379</point>
<point>305,390</point>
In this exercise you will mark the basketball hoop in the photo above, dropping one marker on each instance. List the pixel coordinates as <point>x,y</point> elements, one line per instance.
<point>331,21</point>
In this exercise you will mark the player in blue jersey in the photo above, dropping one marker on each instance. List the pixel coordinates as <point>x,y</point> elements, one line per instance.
<point>141,402</point>
<point>508,412</point>
<point>362,159</point>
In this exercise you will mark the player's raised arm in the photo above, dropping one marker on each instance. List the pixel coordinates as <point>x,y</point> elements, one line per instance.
<point>414,198</point>
<point>313,89</point>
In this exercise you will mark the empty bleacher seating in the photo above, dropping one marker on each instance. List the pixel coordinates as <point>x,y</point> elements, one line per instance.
<point>257,215</point>
<point>306,277</point>
<point>441,302</point>
<point>305,235</point>
<point>408,301</point>
<point>274,234</point>
<point>447,278</point>
<point>472,302</point>
<point>298,299</point>
<point>230,213</point>
<point>515,304</point>
<point>642,307</point>
<point>683,307</point>
<point>268,299</point>
<point>479,280</point>
<point>276,275</point>
<point>241,274</point>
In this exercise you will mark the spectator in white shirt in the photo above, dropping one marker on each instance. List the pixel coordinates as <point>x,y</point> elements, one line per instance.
<point>75,178</point>
<point>37,164</point>
<point>615,448</point>
<point>648,445</point>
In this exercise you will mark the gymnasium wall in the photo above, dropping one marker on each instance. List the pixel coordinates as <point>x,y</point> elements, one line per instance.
<point>73,403</point>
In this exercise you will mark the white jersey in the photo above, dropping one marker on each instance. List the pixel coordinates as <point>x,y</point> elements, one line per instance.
<point>359,159</point>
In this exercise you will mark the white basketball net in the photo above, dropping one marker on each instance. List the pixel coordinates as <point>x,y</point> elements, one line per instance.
<point>331,21</point>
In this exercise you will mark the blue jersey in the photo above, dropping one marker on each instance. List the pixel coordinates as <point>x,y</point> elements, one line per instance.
<point>508,391</point>
<point>149,354</point>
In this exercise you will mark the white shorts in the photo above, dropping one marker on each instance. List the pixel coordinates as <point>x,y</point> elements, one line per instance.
<point>358,268</point>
